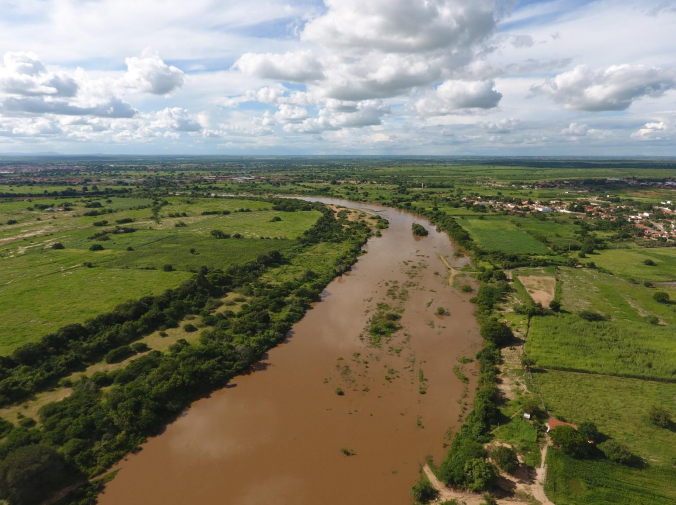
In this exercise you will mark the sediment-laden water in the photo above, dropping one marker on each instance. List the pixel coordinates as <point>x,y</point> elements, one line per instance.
<point>276,436</point>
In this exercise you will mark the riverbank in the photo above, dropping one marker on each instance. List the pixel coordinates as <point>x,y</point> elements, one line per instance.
<point>277,433</point>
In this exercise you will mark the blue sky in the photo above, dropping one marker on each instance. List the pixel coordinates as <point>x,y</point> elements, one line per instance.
<point>524,77</point>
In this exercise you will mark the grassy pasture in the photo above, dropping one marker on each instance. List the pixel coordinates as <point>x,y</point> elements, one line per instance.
<point>625,348</point>
<point>618,406</point>
<point>42,289</point>
<point>33,307</point>
<point>629,263</point>
<point>594,482</point>
<point>587,289</point>
<point>498,234</point>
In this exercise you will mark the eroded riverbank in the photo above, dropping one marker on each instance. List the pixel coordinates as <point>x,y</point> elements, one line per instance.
<point>277,436</point>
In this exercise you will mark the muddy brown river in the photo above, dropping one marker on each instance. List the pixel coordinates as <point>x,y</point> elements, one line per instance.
<point>276,436</point>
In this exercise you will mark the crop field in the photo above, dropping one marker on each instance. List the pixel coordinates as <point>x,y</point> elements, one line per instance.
<point>612,296</point>
<point>629,263</point>
<point>628,348</point>
<point>593,482</point>
<point>42,288</point>
<point>495,234</point>
<point>618,406</point>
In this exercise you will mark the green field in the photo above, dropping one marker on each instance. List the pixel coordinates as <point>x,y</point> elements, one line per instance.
<point>629,263</point>
<point>628,348</point>
<point>496,234</point>
<point>618,406</point>
<point>612,296</point>
<point>594,482</point>
<point>42,289</point>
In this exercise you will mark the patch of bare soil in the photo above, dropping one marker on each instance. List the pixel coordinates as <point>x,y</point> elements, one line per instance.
<point>540,289</point>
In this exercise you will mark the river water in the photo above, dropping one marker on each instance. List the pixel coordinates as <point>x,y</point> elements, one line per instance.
<point>276,436</point>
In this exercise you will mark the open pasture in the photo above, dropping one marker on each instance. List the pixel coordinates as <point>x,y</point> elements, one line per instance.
<point>629,263</point>
<point>626,348</point>
<point>618,406</point>
<point>499,234</point>
<point>594,482</point>
<point>612,296</point>
<point>42,288</point>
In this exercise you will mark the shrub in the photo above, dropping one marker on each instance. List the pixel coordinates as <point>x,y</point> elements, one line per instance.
<point>555,306</point>
<point>649,262</point>
<point>12,221</point>
<point>616,452</point>
<point>339,392</point>
<point>275,219</point>
<point>189,327</point>
<point>58,245</point>
<point>466,288</point>
<point>506,458</point>
<point>96,247</point>
<point>168,268</point>
<point>654,320</point>
<point>661,297</point>
<point>140,347</point>
<point>660,416</point>
<point>118,354</point>
<point>423,491</point>
<point>441,311</point>
<point>589,315</point>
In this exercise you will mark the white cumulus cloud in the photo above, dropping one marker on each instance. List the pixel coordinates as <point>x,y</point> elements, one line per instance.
<point>613,88</point>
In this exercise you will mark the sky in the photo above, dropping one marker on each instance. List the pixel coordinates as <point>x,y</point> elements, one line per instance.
<point>433,77</point>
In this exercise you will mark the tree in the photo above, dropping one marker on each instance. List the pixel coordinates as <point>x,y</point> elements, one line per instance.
<point>30,474</point>
<point>423,491</point>
<point>481,474</point>
<point>496,333</point>
<point>589,430</point>
<point>661,297</point>
<point>506,458</point>
<point>189,328</point>
<point>660,416</point>
<point>570,441</point>
<point>555,306</point>
<point>616,452</point>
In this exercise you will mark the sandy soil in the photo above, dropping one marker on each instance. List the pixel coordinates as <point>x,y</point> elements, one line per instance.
<point>540,289</point>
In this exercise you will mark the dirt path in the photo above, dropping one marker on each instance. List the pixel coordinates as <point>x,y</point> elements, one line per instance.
<point>447,494</point>
<point>453,271</point>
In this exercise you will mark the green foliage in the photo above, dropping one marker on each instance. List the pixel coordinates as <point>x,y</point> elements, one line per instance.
<point>30,474</point>
<point>118,354</point>
<point>617,452</point>
<point>189,328</point>
<point>505,458</point>
<point>570,441</point>
<point>480,474</point>
<point>588,430</point>
<point>589,315</point>
<point>423,491</point>
<point>496,333</point>
<point>660,416</point>
<point>661,297</point>
<point>419,230</point>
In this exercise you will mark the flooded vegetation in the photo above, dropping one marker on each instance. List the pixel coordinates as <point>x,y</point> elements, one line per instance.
<point>367,385</point>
